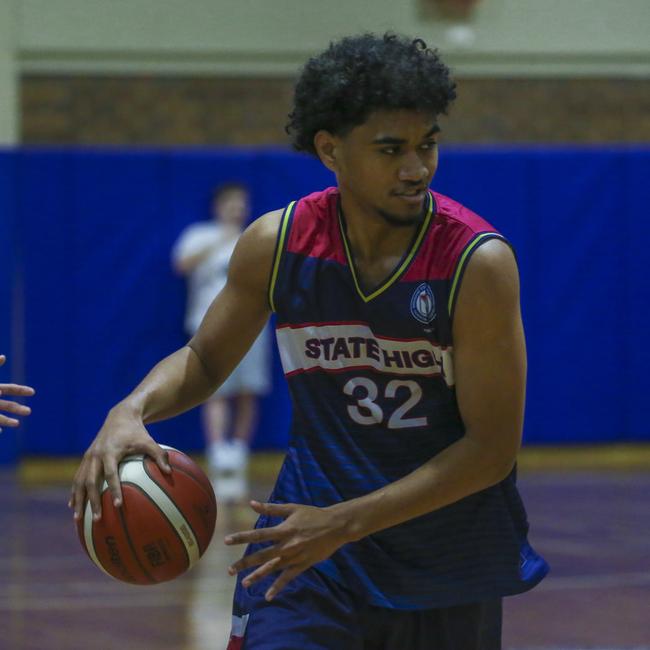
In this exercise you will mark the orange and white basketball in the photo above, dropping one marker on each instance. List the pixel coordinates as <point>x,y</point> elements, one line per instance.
<point>163,527</point>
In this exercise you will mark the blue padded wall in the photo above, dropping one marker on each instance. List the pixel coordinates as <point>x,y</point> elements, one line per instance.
<point>8,249</point>
<point>102,304</point>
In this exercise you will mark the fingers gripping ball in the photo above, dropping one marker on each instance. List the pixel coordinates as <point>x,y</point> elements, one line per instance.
<point>163,527</point>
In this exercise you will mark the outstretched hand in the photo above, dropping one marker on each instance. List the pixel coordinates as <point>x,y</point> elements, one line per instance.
<point>307,535</point>
<point>9,406</point>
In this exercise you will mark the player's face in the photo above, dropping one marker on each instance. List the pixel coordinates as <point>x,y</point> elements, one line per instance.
<point>387,164</point>
<point>232,207</point>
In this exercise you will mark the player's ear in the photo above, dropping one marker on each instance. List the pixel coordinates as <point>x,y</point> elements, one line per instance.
<point>325,144</point>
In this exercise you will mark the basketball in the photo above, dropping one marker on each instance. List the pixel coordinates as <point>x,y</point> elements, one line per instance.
<point>163,527</point>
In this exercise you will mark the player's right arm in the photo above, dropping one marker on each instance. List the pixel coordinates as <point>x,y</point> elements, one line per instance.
<point>190,375</point>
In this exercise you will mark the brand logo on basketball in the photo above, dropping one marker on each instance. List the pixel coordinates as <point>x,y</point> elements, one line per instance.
<point>114,555</point>
<point>423,304</point>
<point>186,533</point>
<point>154,555</point>
<point>113,551</point>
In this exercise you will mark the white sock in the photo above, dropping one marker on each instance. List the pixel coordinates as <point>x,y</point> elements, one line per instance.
<point>219,455</point>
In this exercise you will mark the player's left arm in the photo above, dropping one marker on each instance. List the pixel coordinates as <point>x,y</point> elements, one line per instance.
<point>490,375</point>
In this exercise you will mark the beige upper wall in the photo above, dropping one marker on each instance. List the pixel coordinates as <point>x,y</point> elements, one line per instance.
<point>505,37</point>
<point>8,76</point>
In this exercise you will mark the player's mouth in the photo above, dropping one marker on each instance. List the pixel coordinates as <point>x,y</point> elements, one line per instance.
<point>414,197</point>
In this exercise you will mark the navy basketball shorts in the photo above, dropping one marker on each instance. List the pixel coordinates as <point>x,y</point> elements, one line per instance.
<point>314,612</point>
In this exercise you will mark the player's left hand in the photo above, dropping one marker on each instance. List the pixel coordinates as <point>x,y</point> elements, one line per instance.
<point>307,535</point>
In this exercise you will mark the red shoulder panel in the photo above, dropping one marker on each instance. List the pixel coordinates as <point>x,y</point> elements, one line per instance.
<point>453,227</point>
<point>315,227</point>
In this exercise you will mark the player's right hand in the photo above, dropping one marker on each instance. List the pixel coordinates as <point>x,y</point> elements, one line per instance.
<point>122,434</point>
<point>9,406</point>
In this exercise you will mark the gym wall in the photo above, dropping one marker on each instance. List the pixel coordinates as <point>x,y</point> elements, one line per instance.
<point>102,306</point>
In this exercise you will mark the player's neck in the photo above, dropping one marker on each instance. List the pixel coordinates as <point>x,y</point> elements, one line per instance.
<point>371,236</point>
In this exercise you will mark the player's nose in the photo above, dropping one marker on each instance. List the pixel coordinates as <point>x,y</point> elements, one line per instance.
<point>413,169</point>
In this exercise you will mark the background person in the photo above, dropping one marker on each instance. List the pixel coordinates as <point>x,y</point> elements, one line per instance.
<point>202,254</point>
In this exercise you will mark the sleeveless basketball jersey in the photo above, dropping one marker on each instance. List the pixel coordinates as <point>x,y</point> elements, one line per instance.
<point>371,378</point>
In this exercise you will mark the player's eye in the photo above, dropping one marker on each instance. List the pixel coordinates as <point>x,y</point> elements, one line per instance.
<point>389,151</point>
<point>428,146</point>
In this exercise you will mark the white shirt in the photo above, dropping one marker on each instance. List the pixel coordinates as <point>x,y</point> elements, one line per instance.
<point>209,276</point>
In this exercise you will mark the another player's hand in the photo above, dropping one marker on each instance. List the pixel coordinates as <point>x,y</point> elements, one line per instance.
<point>122,434</point>
<point>9,406</point>
<point>307,535</point>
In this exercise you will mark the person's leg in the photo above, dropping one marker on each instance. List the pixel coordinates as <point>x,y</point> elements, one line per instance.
<point>245,419</point>
<point>246,382</point>
<point>215,419</point>
<point>253,376</point>
<point>491,624</point>
<point>246,410</point>
<point>476,626</point>
<point>215,423</point>
<point>311,613</point>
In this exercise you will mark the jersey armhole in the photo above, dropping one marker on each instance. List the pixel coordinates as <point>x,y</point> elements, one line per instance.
<point>473,245</point>
<point>280,244</point>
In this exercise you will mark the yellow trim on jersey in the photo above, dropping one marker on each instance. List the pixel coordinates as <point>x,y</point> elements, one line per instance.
<point>284,222</point>
<point>400,269</point>
<point>461,265</point>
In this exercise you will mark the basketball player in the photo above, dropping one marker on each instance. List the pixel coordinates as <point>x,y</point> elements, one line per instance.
<point>9,406</point>
<point>395,521</point>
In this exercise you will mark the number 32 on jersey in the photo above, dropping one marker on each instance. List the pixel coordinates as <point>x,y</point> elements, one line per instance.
<point>367,411</point>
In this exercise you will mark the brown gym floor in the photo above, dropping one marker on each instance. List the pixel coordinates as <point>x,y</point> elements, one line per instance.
<point>589,511</point>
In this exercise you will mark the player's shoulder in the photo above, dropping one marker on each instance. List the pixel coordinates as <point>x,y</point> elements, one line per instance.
<point>258,242</point>
<point>491,259</point>
<point>262,235</point>
<point>313,225</point>
<point>320,200</point>
<point>302,213</point>
<point>316,208</point>
<point>456,215</point>
<point>264,230</point>
<point>252,258</point>
<point>494,251</point>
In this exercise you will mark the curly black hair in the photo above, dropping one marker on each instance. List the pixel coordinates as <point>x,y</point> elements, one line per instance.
<point>338,89</point>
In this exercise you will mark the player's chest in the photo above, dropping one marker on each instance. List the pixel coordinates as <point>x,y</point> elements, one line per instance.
<point>403,310</point>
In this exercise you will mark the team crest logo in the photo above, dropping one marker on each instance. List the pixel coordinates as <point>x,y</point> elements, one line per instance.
<point>423,304</point>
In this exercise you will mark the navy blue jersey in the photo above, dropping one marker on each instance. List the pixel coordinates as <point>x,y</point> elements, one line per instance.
<point>371,377</point>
